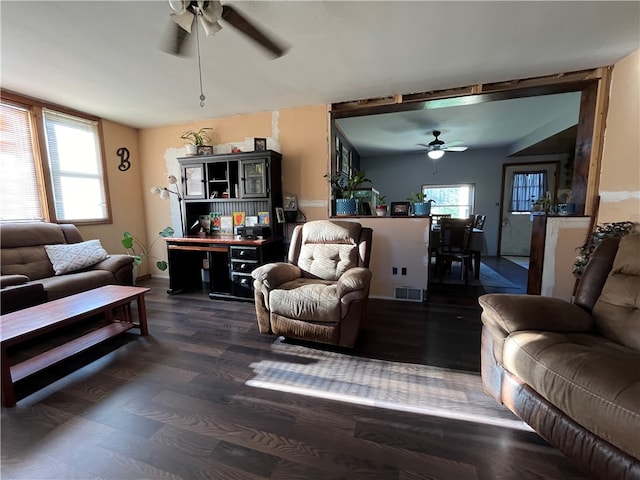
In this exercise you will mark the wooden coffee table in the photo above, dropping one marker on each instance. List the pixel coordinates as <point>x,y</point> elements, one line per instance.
<point>113,301</point>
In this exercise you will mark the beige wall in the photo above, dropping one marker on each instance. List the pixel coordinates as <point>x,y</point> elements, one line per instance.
<point>620,174</point>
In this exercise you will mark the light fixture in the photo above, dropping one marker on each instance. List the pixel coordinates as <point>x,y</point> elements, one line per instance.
<point>435,154</point>
<point>165,194</point>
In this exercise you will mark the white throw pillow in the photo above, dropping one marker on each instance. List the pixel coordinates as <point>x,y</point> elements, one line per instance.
<point>70,257</point>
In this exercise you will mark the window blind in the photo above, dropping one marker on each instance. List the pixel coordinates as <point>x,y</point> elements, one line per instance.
<point>75,163</point>
<point>19,187</point>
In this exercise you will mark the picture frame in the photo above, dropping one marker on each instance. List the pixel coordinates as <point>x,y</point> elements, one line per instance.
<point>205,149</point>
<point>346,161</point>
<point>290,201</point>
<point>280,214</point>
<point>259,144</point>
<point>400,209</point>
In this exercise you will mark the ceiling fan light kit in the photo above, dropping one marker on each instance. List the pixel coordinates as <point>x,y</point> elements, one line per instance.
<point>435,154</point>
<point>437,148</point>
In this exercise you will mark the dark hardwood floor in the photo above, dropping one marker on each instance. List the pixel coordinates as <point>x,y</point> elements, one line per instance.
<point>177,404</point>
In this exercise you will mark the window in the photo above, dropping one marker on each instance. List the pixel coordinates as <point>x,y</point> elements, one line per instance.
<point>456,200</point>
<point>527,188</point>
<point>61,178</point>
<point>20,193</point>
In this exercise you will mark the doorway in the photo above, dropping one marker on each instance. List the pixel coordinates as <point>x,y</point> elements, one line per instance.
<point>515,220</point>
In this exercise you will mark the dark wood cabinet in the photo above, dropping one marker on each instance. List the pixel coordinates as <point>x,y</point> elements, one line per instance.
<point>226,184</point>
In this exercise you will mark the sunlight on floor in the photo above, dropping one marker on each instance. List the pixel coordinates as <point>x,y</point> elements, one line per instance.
<point>412,388</point>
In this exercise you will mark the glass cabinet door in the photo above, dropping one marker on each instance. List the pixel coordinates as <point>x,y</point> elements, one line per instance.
<point>253,178</point>
<point>193,176</point>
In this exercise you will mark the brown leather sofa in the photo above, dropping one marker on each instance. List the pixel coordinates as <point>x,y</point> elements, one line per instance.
<point>321,293</point>
<point>27,276</point>
<point>572,370</point>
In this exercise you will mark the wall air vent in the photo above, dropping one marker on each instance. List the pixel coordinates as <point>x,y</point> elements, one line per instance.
<point>409,294</point>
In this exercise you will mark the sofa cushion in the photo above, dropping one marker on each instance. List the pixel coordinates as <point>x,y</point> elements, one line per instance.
<point>75,256</point>
<point>72,283</point>
<point>593,380</point>
<point>617,311</point>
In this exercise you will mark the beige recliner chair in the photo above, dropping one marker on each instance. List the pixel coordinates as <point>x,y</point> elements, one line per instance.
<point>321,293</point>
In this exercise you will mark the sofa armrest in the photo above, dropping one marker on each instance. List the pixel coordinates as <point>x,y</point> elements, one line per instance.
<point>274,274</point>
<point>353,280</point>
<point>12,280</point>
<point>510,313</point>
<point>120,265</point>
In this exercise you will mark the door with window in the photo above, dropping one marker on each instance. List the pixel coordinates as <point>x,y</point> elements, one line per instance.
<point>524,184</point>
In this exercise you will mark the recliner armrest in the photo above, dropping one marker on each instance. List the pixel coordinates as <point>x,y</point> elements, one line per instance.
<point>510,313</point>
<point>274,274</point>
<point>354,279</point>
<point>114,263</point>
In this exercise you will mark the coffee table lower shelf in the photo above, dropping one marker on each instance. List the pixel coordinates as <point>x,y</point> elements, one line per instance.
<point>51,357</point>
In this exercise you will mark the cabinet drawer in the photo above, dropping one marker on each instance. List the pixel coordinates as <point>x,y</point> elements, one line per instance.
<point>243,267</point>
<point>245,253</point>
<point>242,285</point>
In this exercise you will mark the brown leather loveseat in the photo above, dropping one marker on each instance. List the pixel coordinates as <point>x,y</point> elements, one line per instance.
<point>27,273</point>
<point>572,370</point>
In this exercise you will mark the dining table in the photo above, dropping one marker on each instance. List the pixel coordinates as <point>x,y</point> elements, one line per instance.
<point>477,246</point>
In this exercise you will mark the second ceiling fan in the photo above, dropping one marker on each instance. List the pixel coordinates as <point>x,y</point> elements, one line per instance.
<point>437,147</point>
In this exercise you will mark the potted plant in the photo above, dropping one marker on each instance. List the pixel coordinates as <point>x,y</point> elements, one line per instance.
<point>345,203</point>
<point>198,139</point>
<point>381,206</point>
<point>138,250</point>
<point>421,207</point>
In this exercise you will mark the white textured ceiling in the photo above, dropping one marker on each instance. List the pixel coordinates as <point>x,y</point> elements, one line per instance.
<point>104,58</point>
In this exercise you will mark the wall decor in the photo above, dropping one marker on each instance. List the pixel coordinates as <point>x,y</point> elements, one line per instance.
<point>400,209</point>
<point>125,164</point>
<point>205,149</point>
<point>259,144</point>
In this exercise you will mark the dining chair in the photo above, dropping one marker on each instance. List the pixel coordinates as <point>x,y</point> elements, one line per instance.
<point>436,217</point>
<point>479,222</point>
<point>455,237</point>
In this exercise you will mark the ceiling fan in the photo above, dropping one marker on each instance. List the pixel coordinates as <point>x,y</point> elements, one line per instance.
<point>437,147</point>
<point>209,13</point>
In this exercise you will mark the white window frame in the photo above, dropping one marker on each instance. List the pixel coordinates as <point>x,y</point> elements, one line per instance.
<point>442,208</point>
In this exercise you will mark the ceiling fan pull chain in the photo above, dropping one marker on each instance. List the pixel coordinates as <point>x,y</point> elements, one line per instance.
<point>202,97</point>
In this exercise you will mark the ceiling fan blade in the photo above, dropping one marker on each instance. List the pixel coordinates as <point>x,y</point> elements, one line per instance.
<point>211,12</point>
<point>423,145</point>
<point>238,21</point>
<point>455,143</point>
<point>454,149</point>
<point>174,40</point>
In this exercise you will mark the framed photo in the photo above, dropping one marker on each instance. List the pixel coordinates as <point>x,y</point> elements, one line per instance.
<point>259,144</point>
<point>205,149</point>
<point>346,161</point>
<point>290,201</point>
<point>400,209</point>
<point>280,214</point>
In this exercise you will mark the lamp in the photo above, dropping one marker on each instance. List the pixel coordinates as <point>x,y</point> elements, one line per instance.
<point>165,194</point>
<point>435,154</point>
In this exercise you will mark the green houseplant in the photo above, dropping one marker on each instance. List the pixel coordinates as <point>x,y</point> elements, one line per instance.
<point>138,250</point>
<point>197,139</point>
<point>421,207</point>
<point>342,189</point>
<point>381,206</point>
